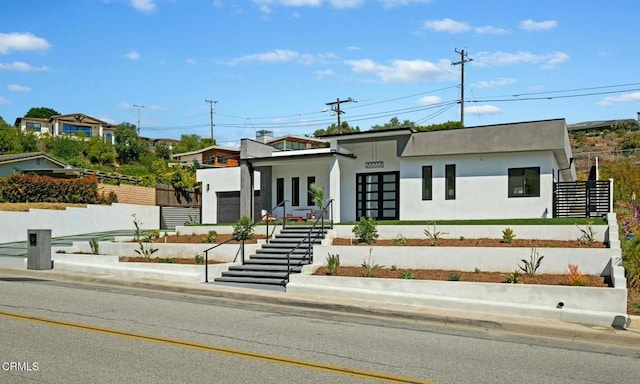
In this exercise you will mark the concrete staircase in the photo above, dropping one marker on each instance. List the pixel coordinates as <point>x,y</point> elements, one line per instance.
<point>267,268</point>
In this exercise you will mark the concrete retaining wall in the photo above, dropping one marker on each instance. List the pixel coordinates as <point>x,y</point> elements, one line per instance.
<point>75,221</point>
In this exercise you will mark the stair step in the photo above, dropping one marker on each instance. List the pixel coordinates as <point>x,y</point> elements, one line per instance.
<point>265,287</point>
<point>274,262</point>
<point>256,274</point>
<point>279,248</point>
<point>249,280</point>
<point>278,256</point>
<point>265,268</point>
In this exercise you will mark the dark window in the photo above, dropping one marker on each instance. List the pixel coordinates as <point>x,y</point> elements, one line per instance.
<point>279,190</point>
<point>33,126</point>
<point>450,176</point>
<point>295,191</point>
<point>211,160</point>
<point>427,175</point>
<point>70,129</point>
<point>378,195</point>
<point>524,182</point>
<point>223,160</point>
<point>310,180</point>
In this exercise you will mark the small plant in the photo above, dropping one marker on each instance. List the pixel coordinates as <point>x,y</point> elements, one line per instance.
<point>168,260</point>
<point>407,275</point>
<point>400,240</point>
<point>531,266</point>
<point>95,246</point>
<point>317,195</point>
<point>434,234</point>
<point>198,259</point>
<point>394,267</point>
<point>155,234</point>
<point>365,230</point>
<point>575,277</point>
<point>210,237</point>
<point>369,268</point>
<point>146,249</point>
<point>61,251</point>
<point>137,234</point>
<point>588,234</point>
<point>461,238</point>
<point>508,235</point>
<point>477,270</point>
<point>454,277</point>
<point>243,229</point>
<point>513,278</point>
<point>193,220</point>
<point>333,263</point>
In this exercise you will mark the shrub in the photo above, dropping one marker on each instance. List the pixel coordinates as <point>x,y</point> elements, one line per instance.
<point>512,278</point>
<point>365,230</point>
<point>454,277</point>
<point>434,234</point>
<point>400,240</point>
<point>210,237</point>
<point>168,260</point>
<point>243,229</point>
<point>146,249</point>
<point>588,235</point>
<point>369,268</point>
<point>531,266</point>
<point>32,188</point>
<point>631,262</point>
<point>95,246</point>
<point>333,263</point>
<point>508,235</point>
<point>575,278</point>
<point>198,259</point>
<point>407,275</point>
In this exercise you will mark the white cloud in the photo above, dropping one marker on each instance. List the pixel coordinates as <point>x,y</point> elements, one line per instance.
<point>191,61</point>
<point>491,59</point>
<point>490,30</point>
<point>283,56</point>
<point>401,3</point>
<point>21,67</point>
<point>144,6</point>
<point>482,110</point>
<point>3,101</point>
<point>429,100</point>
<point>324,73</point>
<point>22,42</point>
<point>501,82</point>
<point>626,98</point>
<point>403,70</point>
<point>265,5</point>
<point>346,4</point>
<point>531,26</point>
<point>447,25</point>
<point>18,88</point>
<point>133,55</point>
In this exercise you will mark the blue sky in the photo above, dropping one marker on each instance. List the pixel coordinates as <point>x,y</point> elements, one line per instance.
<point>274,64</point>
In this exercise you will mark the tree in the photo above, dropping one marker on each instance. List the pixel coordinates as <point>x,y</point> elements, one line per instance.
<point>65,148</point>
<point>28,141</point>
<point>190,143</point>
<point>333,129</point>
<point>440,127</point>
<point>101,151</point>
<point>129,146</point>
<point>393,124</point>
<point>9,142</point>
<point>41,112</point>
<point>163,150</point>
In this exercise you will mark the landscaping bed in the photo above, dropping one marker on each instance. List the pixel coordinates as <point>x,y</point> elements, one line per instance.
<point>200,239</point>
<point>464,242</point>
<point>166,260</point>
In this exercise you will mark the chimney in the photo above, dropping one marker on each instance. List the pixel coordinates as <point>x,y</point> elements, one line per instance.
<point>638,116</point>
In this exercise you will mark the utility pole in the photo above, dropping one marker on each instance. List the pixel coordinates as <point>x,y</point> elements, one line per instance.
<point>138,106</point>
<point>212,103</point>
<point>463,59</point>
<point>335,107</point>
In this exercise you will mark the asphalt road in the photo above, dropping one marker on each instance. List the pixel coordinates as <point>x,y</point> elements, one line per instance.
<point>69,332</point>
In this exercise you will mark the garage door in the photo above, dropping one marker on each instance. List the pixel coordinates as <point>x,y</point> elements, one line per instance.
<point>228,206</point>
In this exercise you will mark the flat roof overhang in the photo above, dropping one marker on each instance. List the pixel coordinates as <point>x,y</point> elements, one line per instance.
<point>293,158</point>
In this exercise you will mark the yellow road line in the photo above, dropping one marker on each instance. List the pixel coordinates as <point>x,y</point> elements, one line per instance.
<point>222,350</point>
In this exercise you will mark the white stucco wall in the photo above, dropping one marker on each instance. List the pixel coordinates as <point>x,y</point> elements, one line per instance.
<point>218,180</point>
<point>302,169</point>
<point>481,187</point>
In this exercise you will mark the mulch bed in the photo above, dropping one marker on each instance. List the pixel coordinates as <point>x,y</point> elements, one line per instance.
<point>167,260</point>
<point>463,242</point>
<point>199,239</point>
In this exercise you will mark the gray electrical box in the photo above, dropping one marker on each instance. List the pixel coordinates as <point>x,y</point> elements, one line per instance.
<point>39,249</point>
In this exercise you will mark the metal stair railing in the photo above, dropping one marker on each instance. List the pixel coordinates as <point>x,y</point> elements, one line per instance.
<point>206,258</point>
<point>265,217</point>
<point>308,239</point>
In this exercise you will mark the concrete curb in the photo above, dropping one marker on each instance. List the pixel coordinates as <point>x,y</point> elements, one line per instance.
<point>629,337</point>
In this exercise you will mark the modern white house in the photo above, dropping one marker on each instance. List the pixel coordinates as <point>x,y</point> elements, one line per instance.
<point>483,172</point>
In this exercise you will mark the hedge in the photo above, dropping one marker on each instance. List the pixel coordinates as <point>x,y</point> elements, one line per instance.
<point>45,189</point>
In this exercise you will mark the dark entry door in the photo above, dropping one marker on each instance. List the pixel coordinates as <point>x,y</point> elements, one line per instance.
<point>228,206</point>
<point>377,195</point>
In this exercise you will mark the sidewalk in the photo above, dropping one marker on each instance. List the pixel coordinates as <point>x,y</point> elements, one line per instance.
<point>629,337</point>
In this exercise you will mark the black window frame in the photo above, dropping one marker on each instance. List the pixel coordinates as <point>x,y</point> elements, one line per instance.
<point>517,177</point>
<point>295,191</point>
<point>310,180</point>
<point>279,190</point>
<point>450,182</point>
<point>427,182</point>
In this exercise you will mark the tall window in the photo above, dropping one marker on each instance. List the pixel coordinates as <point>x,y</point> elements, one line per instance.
<point>524,182</point>
<point>71,129</point>
<point>427,177</point>
<point>310,180</point>
<point>450,176</point>
<point>279,190</point>
<point>35,127</point>
<point>295,191</point>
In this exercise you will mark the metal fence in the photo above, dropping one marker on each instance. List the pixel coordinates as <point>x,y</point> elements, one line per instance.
<point>581,198</point>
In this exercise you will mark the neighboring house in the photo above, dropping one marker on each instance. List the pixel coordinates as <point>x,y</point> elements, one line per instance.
<point>67,125</point>
<point>599,126</point>
<point>152,143</point>
<point>210,157</point>
<point>29,162</point>
<point>485,172</point>
<point>289,142</point>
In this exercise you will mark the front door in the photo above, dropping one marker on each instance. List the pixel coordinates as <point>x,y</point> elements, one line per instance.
<point>377,195</point>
